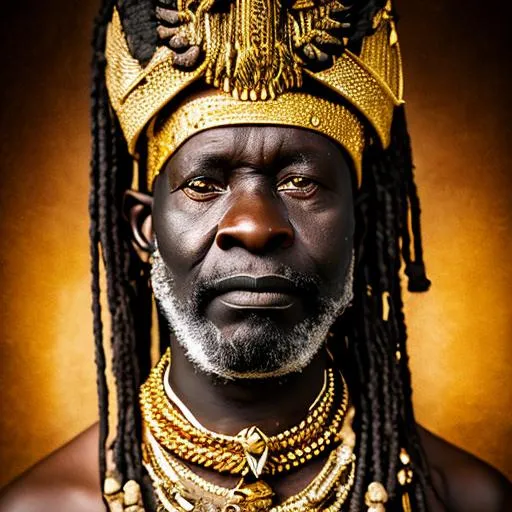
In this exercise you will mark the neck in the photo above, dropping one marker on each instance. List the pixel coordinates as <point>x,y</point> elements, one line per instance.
<point>228,406</point>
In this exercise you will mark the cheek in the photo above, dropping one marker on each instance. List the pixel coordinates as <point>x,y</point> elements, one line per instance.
<point>183,236</point>
<point>327,233</point>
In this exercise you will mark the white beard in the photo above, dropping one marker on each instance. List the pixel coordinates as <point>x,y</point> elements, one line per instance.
<point>275,354</point>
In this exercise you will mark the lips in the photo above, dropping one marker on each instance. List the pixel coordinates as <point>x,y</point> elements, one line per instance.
<point>261,292</point>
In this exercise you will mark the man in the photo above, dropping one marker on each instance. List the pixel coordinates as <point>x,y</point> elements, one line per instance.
<point>275,230</point>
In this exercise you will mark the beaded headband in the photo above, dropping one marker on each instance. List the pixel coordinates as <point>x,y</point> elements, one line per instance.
<point>261,63</point>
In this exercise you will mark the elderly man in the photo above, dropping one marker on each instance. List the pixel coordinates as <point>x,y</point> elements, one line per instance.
<point>251,162</point>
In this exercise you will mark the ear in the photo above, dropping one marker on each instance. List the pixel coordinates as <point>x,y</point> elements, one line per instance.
<point>137,208</point>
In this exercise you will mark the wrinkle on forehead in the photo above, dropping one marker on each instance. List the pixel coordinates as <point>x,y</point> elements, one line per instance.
<point>255,145</point>
<point>260,144</point>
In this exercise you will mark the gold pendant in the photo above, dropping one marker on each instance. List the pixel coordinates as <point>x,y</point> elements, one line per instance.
<point>255,445</point>
<point>252,497</point>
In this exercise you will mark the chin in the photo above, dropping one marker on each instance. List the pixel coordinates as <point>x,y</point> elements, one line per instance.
<point>256,349</point>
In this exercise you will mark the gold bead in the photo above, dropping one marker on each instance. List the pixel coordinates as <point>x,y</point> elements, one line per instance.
<point>404,457</point>
<point>375,495</point>
<point>311,437</point>
<point>402,477</point>
<point>315,121</point>
<point>111,486</point>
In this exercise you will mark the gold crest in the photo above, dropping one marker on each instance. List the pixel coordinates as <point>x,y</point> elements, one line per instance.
<point>256,52</point>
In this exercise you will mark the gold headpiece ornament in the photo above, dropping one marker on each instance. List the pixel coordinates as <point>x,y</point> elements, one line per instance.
<point>259,62</point>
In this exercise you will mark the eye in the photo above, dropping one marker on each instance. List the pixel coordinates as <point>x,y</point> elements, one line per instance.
<point>202,188</point>
<point>298,185</point>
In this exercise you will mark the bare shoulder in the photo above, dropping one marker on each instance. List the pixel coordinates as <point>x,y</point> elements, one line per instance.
<point>464,482</point>
<point>68,479</point>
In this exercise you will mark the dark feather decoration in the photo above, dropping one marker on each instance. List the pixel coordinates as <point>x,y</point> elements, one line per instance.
<point>362,12</point>
<point>139,21</point>
<point>139,25</point>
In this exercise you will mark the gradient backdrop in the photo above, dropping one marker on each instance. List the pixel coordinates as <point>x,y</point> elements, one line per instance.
<point>458,93</point>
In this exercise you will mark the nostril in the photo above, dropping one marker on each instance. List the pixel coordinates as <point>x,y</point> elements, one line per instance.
<point>226,241</point>
<point>280,240</point>
<point>255,238</point>
<point>257,225</point>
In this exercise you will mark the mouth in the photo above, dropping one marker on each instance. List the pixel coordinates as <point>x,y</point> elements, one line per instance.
<point>262,292</point>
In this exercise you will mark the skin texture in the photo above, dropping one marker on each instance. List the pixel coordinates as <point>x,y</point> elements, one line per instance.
<point>248,188</point>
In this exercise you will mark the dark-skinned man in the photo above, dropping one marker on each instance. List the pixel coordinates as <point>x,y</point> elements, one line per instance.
<point>271,206</point>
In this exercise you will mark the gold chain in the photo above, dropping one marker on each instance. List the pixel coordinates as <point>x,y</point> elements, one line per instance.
<point>180,489</point>
<point>319,409</point>
<point>251,449</point>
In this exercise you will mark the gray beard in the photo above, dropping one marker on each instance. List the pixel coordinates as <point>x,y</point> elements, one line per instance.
<point>260,349</point>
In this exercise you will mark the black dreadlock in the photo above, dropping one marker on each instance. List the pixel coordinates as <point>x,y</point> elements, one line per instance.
<point>376,360</point>
<point>127,279</point>
<point>375,357</point>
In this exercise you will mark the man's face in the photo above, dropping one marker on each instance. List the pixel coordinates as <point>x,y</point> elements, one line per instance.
<point>254,228</point>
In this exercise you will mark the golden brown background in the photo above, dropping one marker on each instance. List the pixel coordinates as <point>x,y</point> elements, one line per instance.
<point>460,332</point>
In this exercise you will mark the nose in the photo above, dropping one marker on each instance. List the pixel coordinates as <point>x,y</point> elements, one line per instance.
<point>257,223</point>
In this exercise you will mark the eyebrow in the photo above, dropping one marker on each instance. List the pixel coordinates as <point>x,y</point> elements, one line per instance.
<point>208,162</point>
<point>216,162</point>
<point>302,157</point>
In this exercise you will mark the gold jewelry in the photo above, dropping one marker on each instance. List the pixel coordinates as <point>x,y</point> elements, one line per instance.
<point>250,450</point>
<point>179,488</point>
<point>254,442</point>
<point>376,497</point>
<point>119,498</point>
<point>323,400</point>
<point>256,58</point>
<point>405,476</point>
<point>217,109</point>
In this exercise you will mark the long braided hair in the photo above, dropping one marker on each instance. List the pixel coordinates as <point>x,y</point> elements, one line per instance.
<point>369,341</point>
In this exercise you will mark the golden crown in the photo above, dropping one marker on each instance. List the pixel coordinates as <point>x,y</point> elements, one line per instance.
<point>260,63</point>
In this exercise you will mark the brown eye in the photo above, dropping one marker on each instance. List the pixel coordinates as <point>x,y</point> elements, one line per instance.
<point>202,189</point>
<point>298,184</point>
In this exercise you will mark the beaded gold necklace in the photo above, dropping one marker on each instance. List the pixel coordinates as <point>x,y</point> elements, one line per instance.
<point>179,489</point>
<point>250,450</point>
<point>254,455</point>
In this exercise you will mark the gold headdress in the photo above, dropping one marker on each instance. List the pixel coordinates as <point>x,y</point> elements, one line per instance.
<point>260,60</point>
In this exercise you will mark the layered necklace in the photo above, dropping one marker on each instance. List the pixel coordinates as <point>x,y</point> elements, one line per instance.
<point>174,441</point>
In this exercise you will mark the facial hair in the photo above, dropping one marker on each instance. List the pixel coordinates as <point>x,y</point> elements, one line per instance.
<point>258,349</point>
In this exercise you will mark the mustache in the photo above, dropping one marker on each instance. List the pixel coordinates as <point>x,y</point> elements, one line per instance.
<point>263,283</point>
<point>286,280</point>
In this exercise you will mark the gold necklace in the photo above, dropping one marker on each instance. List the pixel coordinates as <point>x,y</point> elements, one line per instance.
<point>250,450</point>
<point>179,489</point>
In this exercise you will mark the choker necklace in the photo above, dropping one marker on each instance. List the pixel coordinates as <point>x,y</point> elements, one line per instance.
<point>250,452</point>
<point>328,426</point>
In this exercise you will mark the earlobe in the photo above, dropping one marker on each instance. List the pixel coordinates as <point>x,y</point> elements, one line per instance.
<point>137,209</point>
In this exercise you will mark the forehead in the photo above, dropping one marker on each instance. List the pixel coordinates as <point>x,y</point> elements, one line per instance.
<point>258,145</point>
